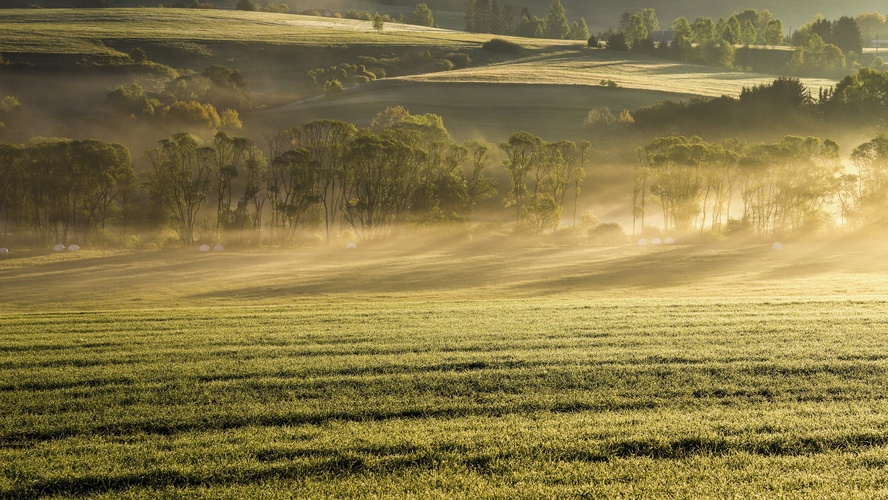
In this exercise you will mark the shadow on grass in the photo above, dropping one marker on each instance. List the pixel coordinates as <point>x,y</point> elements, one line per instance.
<point>281,463</point>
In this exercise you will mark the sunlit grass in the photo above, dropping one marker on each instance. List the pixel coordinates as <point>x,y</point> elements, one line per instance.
<point>93,31</point>
<point>566,397</point>
<point>633,71</point>
<point>425,370</point>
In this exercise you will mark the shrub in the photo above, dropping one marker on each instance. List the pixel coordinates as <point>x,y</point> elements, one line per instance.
<point>357,14</point>
<point>459,60</point>
<point>138,55</point>
<point>501,46</point>
<point>230,120</point>
<point>333,87</point>
<point>193,113</point>
<point>617,41</point>
<point>608,233</point>
<point>245,5</point>
<point>592,41</point>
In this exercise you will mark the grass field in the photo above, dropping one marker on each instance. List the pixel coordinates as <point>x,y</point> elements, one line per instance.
<point>633,71</point>
<point>61,31</point>
<point>474,109</point>
<point>470,370</point>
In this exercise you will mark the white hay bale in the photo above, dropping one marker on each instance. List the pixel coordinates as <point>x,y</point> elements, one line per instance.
<point>351,245</point>
<point>777,246</point>
<point>73,247</point>
<point>58,247</point>
<point>4,250</point>
<point>656,241</point>
<point>218,248</point>
<point>204,248</point>
<point>642,242</point>
<point>669,241</point>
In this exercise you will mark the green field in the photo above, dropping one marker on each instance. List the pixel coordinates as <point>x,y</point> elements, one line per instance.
<point>96,31</point>
<point>424,370</point>
<point>632,71</point>
<point>455,365</point>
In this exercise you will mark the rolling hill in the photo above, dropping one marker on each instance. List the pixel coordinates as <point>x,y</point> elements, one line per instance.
<point>547,88</point>
<point>600,14</point>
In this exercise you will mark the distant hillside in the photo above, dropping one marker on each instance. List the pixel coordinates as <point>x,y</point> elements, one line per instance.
<point>599,14</point>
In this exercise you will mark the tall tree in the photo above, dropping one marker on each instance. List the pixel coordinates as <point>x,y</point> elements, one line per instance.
<point>11,157</point>
<point>378,23</point>
<point>327,142</point>
<point>649,17</point>
<point>872,27</point>
<point>382,175</point>
<point>846,35</point>
<point>179,180</point>
<point>496,18</point>
<point>508,20</point>
<point>634,29</point>
<point>522,154</point>
<point>871,160</point>
<point>774,33</point>
<point>482,16</point>
<point>423,16</point>
<point>579,30</point>
<point>470,17</point>
<point>682,37</point>
<point>103,172</point>
<point>703,30</point>
<point>556,21</point>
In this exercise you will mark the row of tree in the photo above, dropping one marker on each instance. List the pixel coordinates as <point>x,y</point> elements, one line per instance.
<point>486,16</point>
<point>843,33</point>
<point>325,177</point>
<point>702,41</point>
<point>859,100</point>
<point>62,189</point>
<point>823,47</point>
<point>794,186</point>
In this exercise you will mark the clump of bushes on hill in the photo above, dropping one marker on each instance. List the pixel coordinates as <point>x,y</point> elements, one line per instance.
<point>135,62</point>
<point>193,99</point>
<point>501,46</point>
<point>369,68</point>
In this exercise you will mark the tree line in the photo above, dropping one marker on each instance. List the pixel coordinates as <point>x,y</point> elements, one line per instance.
<point>797,185</point>
<point>822,47</point>
<point>858,100</point>
<point>325,178</point>
<point>487,16</point>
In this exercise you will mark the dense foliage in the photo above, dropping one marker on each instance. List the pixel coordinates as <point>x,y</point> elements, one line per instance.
<point>784,188</point>
<point>858,100</point>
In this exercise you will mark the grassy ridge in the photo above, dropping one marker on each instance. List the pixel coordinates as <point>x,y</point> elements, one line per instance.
<point>633,71</point>
<point>574,397</point>
<point>434,270</point>
<point>93,31</point>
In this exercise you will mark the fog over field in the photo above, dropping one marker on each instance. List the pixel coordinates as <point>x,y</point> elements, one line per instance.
<point>359,249</point>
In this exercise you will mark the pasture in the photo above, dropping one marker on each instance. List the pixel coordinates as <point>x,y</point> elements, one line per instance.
<point>418,369</point>
<point>96,32</point>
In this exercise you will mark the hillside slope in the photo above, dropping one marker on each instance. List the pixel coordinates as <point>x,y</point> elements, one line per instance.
<point>600,14</point>
<point>547,88</point>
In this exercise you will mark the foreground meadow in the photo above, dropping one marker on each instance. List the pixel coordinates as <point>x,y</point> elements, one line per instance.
<point>458,371</point>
